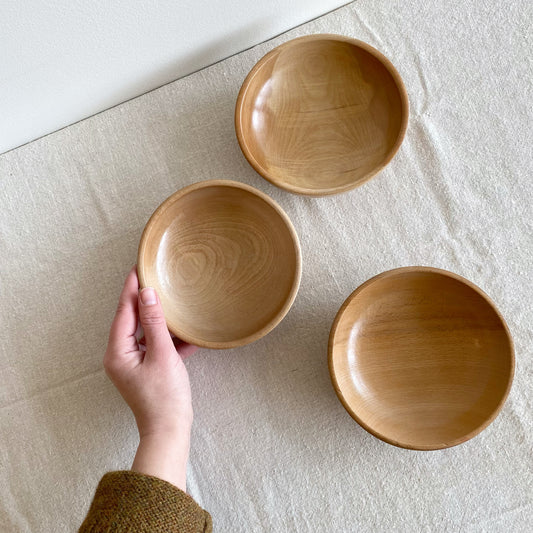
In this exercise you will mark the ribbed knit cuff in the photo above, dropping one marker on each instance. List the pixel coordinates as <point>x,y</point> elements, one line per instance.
<point>131,502</point>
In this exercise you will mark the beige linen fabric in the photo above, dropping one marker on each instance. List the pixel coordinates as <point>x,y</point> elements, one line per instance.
<point>272,448</point>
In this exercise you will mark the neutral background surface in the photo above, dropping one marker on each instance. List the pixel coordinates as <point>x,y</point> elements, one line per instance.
<point>63,60</point>
<point>273,449</point>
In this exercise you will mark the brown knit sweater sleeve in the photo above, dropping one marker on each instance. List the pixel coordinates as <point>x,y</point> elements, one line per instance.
<point>134,503</point>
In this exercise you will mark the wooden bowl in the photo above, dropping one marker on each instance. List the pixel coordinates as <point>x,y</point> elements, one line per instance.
<point>421,358</point>
<point>225,260</point>
<point>321,114</point>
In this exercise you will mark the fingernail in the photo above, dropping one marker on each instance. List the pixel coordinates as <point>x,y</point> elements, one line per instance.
<point>148,296</point>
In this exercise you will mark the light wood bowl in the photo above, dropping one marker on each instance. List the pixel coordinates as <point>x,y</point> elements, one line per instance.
<point>225,260</point>
<point>321,114</point>
<point>421,358</point>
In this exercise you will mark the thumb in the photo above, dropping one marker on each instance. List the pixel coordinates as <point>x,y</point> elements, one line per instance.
<point>153,322</point>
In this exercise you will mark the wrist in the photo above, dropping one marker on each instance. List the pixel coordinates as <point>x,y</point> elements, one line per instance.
<point>173,440</point>
<point>166,428</point>
<point>164,455</point>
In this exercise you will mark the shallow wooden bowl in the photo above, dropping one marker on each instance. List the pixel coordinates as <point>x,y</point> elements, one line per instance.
<point>225,260</point>
<point>421,358</point>
<point>321,114</point>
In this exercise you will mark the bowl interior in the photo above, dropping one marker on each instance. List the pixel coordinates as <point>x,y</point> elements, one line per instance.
<point>321,114</point>
<point>421,359</point>
<point>225,262</point>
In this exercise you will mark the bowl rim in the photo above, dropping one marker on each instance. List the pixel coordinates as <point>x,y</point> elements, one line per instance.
<point>325,191</point>
<point>176,196</point>
<point>382,436</point>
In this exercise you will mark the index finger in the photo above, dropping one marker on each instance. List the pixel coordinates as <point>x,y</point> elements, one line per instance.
<point>184,348</point>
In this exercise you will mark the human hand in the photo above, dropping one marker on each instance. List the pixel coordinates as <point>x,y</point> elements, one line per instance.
<point>153,381</point>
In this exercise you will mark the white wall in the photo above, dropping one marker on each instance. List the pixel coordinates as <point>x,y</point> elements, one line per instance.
<point>64,60</point>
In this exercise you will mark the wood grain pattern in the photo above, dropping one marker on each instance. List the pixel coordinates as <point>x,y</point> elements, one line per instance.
<point>225,260</point>
<point>421,358</point>
<point>321,114</point>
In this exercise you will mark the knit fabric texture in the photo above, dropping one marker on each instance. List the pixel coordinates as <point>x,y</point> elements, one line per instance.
<point>131,502</point>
